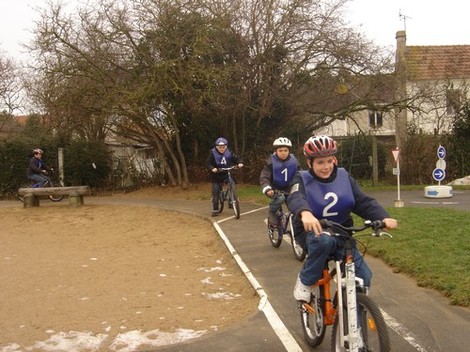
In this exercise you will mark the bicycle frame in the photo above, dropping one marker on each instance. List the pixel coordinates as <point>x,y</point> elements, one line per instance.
<point>285,227</point>
<point>228,193</point>
<point>49,183</point>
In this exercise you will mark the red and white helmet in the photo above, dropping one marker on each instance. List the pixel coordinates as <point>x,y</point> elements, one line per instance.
<point>317,146</point>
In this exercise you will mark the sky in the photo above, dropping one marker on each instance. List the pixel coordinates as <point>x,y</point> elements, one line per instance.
<point>428,22</point>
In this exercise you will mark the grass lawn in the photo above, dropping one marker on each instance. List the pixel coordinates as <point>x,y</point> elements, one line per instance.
<point>432,246</point>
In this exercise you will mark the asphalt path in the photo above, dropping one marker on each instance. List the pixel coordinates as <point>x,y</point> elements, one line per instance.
<point>419,319</point>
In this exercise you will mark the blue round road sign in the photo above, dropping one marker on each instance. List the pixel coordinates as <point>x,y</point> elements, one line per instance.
<point>441,152</point>
<point>438,174</point>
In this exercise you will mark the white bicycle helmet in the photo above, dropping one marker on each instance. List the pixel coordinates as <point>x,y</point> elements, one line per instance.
<point>282,142</point>
<point>38,151</point>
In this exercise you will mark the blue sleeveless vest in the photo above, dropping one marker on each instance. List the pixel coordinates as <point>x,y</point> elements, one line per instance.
<point>222,160</point>
<point>283,170</point>
<point>334,200</point>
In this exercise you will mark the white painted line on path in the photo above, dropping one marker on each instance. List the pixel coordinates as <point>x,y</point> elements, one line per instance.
<point>275,321</point>
<point>264,305</point>
<point>403,332</point>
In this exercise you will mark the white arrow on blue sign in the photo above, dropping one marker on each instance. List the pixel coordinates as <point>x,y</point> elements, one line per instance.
<point>441,152</point>
<point>438,174</point>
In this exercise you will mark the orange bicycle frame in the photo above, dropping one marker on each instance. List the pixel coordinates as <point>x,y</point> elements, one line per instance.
<point>329,309</point>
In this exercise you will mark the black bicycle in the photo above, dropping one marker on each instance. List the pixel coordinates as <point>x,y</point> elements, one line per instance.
<point>50,182</point>
<point>228,193</point>
<point>285,227</point>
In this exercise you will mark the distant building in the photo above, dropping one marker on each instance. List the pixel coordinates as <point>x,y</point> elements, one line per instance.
<point>433,80</point>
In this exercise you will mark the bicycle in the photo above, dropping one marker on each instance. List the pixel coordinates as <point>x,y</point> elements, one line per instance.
<point>285,227</point>
<point>358,324</point>
<point>49,183</point>
<point>229,193</point>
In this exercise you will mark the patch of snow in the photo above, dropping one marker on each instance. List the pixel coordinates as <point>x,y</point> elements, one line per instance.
<point>460,181</point>
<point>75,341</point>
<point>208,270</point>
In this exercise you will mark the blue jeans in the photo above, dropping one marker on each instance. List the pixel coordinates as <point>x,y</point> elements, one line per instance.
<point>324,246</point>
<point>216,188</point>
<point>39,179</point>
<point>276,202</point>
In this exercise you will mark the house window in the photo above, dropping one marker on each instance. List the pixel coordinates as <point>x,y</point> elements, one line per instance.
<point>375,119</point>
<point>453,101</point>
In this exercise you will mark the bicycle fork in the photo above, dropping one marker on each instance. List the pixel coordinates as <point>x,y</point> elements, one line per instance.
<point>352,337</point>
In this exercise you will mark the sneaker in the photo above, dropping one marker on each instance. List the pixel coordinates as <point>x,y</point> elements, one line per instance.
<point>272,219</point>
<point>215,213</point>
<point>301,291</point>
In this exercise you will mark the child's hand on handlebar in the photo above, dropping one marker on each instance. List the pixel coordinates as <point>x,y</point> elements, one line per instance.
<point>240,165</point>
<point>390,223</point>
<point>311,223</point>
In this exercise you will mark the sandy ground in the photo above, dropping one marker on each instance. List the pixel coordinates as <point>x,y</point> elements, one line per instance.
<point>119,278</point>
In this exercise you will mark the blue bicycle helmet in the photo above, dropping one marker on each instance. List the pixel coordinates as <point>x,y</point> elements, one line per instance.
<point>221,141</point>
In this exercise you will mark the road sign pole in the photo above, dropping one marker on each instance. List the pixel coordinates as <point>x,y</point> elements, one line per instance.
<point>396,154</point>
<point>439,174</point>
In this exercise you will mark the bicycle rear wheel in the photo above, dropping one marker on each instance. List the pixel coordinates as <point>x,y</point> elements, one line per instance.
<point>52,197</point>
<point>313,324</point>
<point>372,328</point>
<point>20,198</point>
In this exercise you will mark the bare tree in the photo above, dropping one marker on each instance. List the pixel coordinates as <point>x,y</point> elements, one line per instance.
<point>10,89</point>
<point>174,74</point>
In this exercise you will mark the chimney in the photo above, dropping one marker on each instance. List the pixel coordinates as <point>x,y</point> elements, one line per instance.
<point>400,71</point>
<point>400,53</point>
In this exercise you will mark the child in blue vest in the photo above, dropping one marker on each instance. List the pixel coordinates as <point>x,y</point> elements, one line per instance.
<point>220,157</point>
<point>276,176</point>
<point>326,191</point>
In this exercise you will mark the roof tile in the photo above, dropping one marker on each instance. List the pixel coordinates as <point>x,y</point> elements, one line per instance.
<point>438,62</point>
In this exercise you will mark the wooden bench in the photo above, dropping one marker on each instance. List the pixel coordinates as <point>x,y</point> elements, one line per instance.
<point>32,195</point>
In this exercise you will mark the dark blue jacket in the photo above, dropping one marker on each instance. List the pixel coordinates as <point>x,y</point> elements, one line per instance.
<point>211,162</point>
<point>365,206</point>
<point>35,166</point>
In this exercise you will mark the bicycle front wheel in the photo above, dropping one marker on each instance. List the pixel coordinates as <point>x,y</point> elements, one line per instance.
<point>275,235</point>
<point>298,250</point>
<point>220,203</point>
<point>234,202</point>
<point>373,331</point>
<point>312,319</point>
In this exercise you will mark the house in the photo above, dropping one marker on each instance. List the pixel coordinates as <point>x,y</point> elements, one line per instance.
<point>431,80</point>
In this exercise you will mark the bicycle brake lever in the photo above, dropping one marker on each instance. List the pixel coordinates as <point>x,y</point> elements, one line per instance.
<point>381,233</point>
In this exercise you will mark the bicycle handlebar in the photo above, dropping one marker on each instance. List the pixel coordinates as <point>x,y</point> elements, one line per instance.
<point>376,225</point>
<point>227,168</point>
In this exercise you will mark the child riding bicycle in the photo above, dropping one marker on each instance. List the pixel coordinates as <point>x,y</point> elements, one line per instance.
<point>37,169</point>
<point>220,157</point>
<point>276,176</point>
<point>326,191</point>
